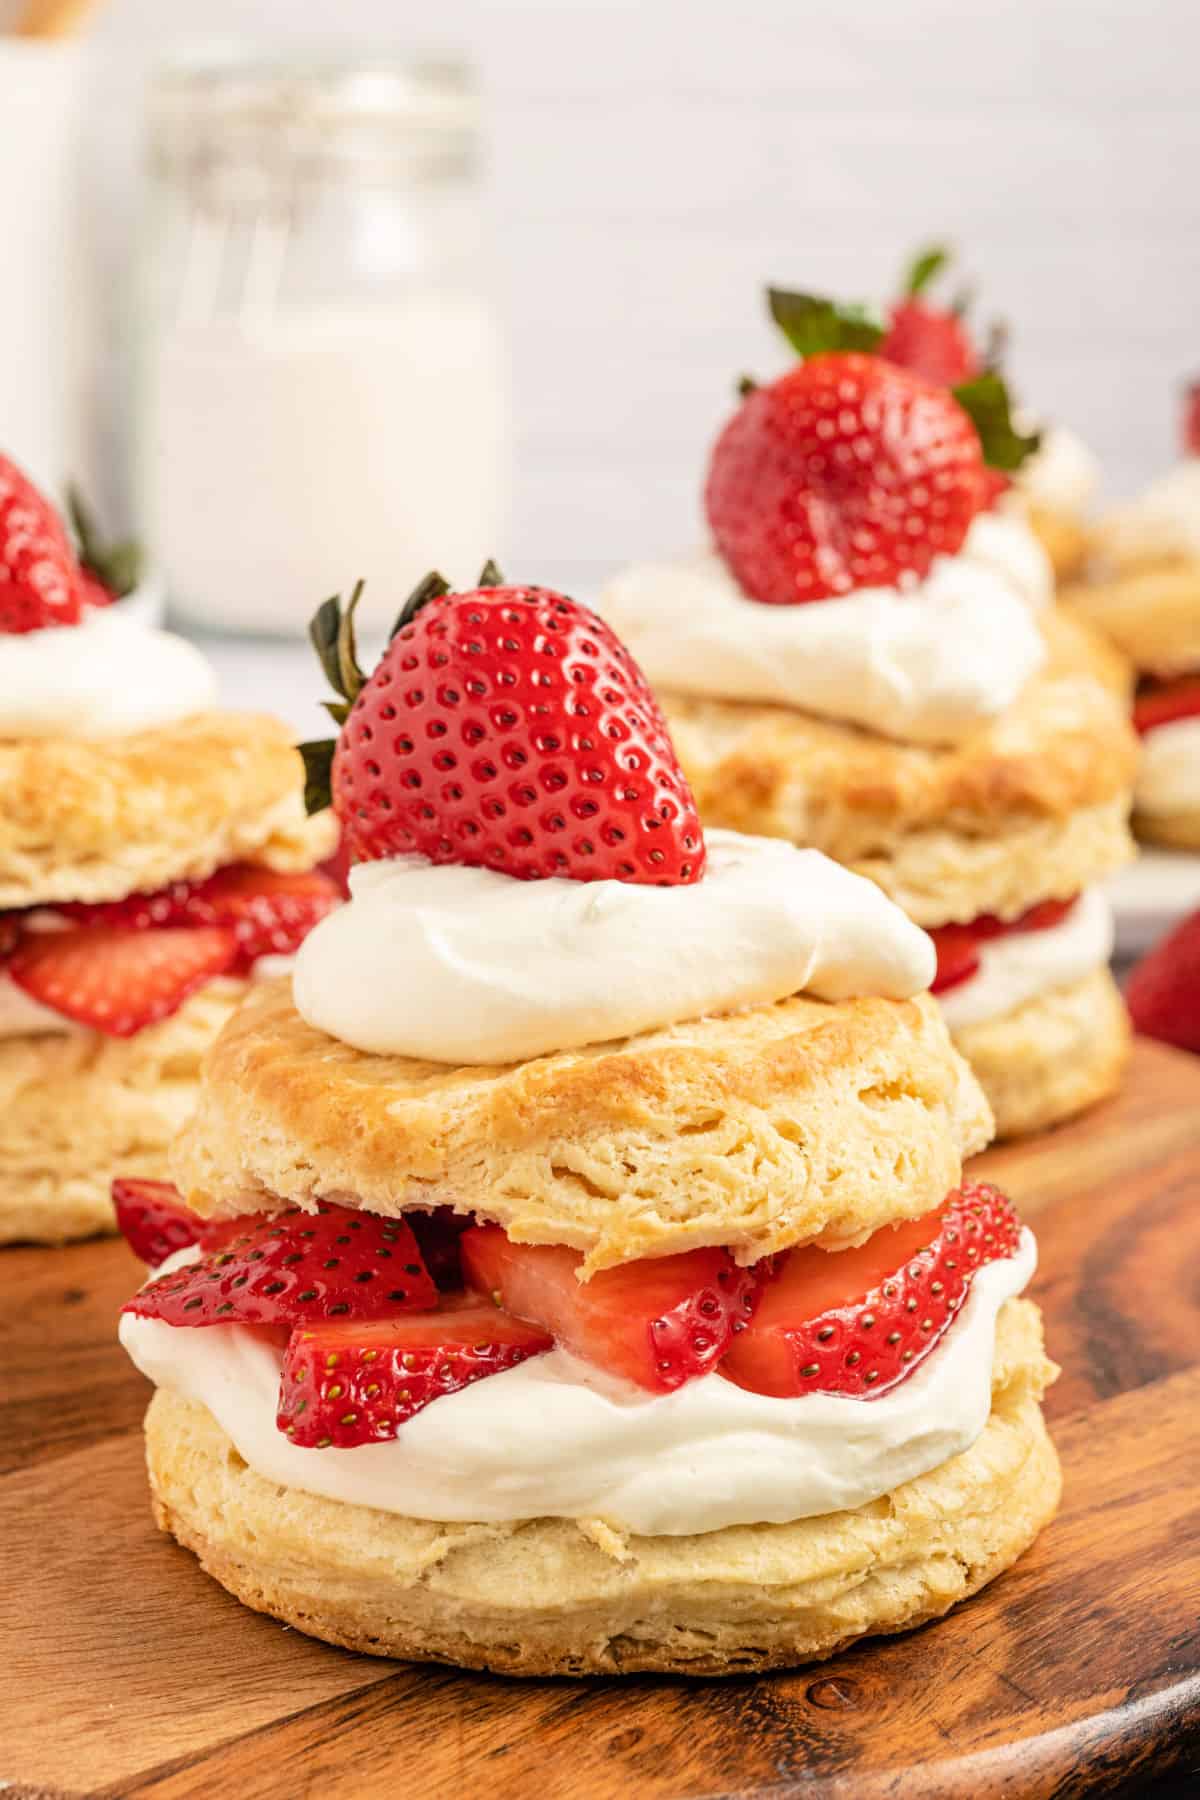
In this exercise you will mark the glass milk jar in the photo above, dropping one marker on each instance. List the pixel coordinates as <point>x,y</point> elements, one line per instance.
<point>323,383</point>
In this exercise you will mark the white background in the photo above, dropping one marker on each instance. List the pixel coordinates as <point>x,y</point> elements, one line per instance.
<point>654,161</point>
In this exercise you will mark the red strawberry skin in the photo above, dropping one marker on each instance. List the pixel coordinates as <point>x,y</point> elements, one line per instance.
<point>1191,418</point>
<point>659,1322</point>
<point>39,578</point>
<point>1162,702</point>
<point>858,1321</point>
<point>351,1383</point>
<point>931,341</point>
<point>269,913</point>
<point>116,980</point>
<point>507,728</point>
<point>957,946</point>
<point>297,1268</point>
<point>154,1221</point>
<point>1163,990</point>
<point>847,472</point>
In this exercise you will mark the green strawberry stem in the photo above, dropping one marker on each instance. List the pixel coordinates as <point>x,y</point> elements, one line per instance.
<point>118,567</point>
<point>812,324</point>
<point>924,266</point>
<point>986,403</point>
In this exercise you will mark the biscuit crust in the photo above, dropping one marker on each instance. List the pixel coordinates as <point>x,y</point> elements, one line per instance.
<point>1176,831</point>
<point>97,821</point>
<point>1063,537</point>
<point>1053,1057</point>
<point>560,1597</point>
<point>1029,807</point>
<point>77,1109</point>
<point>777,1125</point>
<point>1151,612</point>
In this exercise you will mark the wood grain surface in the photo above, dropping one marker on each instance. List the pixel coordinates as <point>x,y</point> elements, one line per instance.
<point>124,1671</point>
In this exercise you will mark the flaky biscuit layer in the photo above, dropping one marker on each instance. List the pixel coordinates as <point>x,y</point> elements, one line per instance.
<point>1053,1057</point>
<point>1063,536</point>
<point>556,1597</point>
<point>77,1109</point>
<point>773,1126</point>
<point>1176,830</point>
<point>1029,807</point>
<point>96,821</point>
<point>1150,612</point>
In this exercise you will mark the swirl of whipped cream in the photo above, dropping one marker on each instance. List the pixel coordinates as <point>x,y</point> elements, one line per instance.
<point>1003,540</point>
<point>558,1438</point>
<point>104,678</point>
<point>926,665</point>
<point>458,965</point>
<point>1062,474</point>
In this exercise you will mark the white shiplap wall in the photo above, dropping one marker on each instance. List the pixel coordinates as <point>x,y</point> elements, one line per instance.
<point>655,160</point>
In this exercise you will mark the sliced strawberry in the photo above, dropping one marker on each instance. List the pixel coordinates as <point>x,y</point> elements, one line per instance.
<point>117,980</point>
<point>1162,702</point>
<point>297,1268</point>
<point>154,1221</point>
<point>439,1238</point>
<point>957,956</point>
<point>859,1321</point>
<point>353,1383</point>
<point>1191,418</point>
<point>658,1322</point>
<point>268,912</point>
<point>1163,991</point>
<point>11,927</point>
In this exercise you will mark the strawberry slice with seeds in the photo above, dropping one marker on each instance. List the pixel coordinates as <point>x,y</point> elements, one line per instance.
<point>658,1322</point>
<point>154,1221</point>
<point>270,913</point>
<point>1162,702</point>
<point>297,1268</point>
<point>858,1321</point>
<point>354,1383</point>
<point>116,980</point>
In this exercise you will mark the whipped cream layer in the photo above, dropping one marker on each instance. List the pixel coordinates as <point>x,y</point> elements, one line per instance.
<point>105,678</point>
<point>557,1438</point>
<point>926,664</point>
<point>1026,964</point>
<point>1062,474</point>
<point>1003,540</point>
<point>467,966</point>
<point>1168,779</point>
<point>1163,521</point>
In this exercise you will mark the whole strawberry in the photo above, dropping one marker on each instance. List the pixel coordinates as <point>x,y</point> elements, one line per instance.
<point>39,578</point>
<point>931,340</point>
<point>504,728</point>
<point>1163,991</point>
<point>847,472</point>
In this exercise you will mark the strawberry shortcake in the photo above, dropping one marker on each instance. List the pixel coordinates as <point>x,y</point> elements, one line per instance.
<point>152,851</point>
<point>571,1270</point>
<point>1143,590</point>
<point>850,665</point>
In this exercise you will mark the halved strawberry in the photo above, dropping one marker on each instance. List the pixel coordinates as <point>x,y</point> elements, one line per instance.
<point>859,1321</point>
<point>354,1383</point>
<point>295,1268</point>
<point>270,913</point>
<point>439,1236</point>
<point>154,1221</point>
<point>957,956</point>
<point>658,1322</point>
<point>1162,702</point>
<point>116,980</point>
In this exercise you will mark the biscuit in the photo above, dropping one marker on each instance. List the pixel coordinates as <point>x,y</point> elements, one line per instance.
<point>777,1125</point>
<point>1174,830</point>
<point>1031,806</point>
<point>78,1108</point>
<point>559,1597</point>
<point>1051,1058</point>
<point>95,821</point>
<point>1150,612</point>
<point>1062,536</point>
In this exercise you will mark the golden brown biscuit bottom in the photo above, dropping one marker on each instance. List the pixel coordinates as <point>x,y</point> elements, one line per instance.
<point>79,1108</point>
<point>1063,536</point>
<point>1175,831</point>
<point>776,1125</point>
<point>1151,613</point>
<point>97,821</point>
<point>1052,1058</point>
<point>556,1597</point>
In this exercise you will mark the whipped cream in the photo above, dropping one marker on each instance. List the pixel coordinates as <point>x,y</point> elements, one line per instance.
<point>1003,540</point>
<point>1163,521</point>
<point>1168,778</point>
<point>1062,474</point>
<point>558,1438</point>
<point>105,678</point>
<point>926,664</point>
<point>1025,964</point>
<point>462,965</point>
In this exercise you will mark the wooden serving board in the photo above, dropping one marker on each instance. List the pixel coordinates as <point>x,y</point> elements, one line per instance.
<point>124,1671</point>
